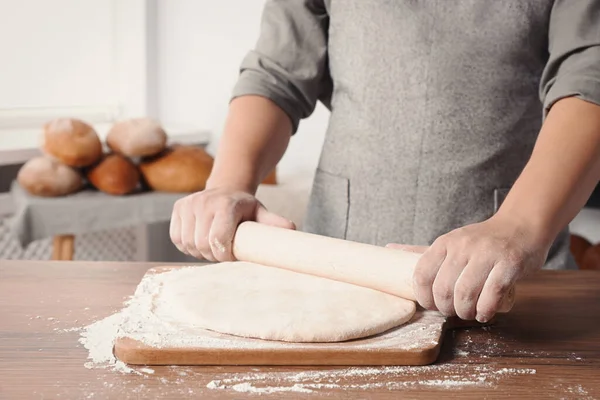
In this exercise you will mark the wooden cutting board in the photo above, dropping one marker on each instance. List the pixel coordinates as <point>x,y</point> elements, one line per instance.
<point>416,343</point>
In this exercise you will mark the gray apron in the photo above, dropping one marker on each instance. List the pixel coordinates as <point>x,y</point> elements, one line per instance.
<point>435,106</point>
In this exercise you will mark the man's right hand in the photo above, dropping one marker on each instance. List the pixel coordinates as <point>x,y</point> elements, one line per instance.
<point>203,224</point>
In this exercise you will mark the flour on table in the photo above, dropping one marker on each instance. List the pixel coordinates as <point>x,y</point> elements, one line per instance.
<point>447,376</point>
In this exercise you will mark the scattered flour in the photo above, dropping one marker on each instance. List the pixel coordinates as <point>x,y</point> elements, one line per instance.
<point>146,370</point>
<point>98,339</point>
<point>572,391</point>
<point>447,376</point>
<point>461,353</point>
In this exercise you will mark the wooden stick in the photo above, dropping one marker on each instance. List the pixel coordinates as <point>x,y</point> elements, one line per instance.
<point>63,247</point>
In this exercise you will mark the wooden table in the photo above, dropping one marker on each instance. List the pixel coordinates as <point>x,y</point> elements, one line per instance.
<point>547,347</point>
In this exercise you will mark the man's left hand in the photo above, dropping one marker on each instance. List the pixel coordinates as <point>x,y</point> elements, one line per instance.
<point>468,271</point>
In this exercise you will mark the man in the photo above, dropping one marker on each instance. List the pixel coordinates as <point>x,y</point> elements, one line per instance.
<point>437,136</point>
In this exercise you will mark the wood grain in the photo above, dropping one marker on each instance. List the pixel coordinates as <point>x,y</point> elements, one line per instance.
<point>553,330</point>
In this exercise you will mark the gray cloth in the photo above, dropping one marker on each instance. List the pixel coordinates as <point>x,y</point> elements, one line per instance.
<point>435,105</point>
<point>87,211</point>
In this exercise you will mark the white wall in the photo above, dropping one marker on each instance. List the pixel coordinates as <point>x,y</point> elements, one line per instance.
<point>61,58</point>
<point>200,46</point>
<point>174,59</point>
<point>45,46</point>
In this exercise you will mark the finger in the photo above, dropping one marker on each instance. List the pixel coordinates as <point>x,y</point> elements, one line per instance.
<point>175,231</point>
<point>268,218</point>
<point>188,226</point>
<point>497,285</point>
<point>468,287</point>
<point>425,272</point>
<point>407,247</point>
<point>201,245</point>
<point>222,231</point>
<point>445,280</point>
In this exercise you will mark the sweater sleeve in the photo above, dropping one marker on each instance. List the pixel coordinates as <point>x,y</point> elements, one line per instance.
<point>573,67</point>
<point>289,65</point>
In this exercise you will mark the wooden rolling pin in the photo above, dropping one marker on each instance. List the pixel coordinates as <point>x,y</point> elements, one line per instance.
<point>374,267</point>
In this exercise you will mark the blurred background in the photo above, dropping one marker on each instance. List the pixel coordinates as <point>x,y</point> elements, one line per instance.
<point>107,60</point>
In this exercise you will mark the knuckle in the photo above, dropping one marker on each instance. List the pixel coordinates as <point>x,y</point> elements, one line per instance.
<point>177,205</point>
<point>440,243</point>
<point>200,200</point>
<point>514,258</point>
<point>179,208</point>
<point>225,203</point>
<point>436,253</point>
<point>487,242</point>
<point>442,292</point>
<point>443,295</point>
<point>464,293</point>
<point>465,241</point>
<point>422,279</point>
<point>497,287</point>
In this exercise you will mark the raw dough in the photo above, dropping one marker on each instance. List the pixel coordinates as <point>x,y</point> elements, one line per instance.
<point>251,300</point>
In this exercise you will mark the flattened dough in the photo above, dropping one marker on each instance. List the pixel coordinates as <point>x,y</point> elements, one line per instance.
<point>251,300</point>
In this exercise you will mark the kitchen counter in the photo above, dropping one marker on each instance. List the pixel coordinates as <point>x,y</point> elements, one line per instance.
<point>547,347</point>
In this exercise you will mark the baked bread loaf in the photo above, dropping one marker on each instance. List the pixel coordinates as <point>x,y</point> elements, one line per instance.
<point>72,142</point>
<point>591,258</point>
<point>579,246</point>
<point>115,175</point>
<point>137,137</point>
<point>180,169</point>
<point>46,177</point>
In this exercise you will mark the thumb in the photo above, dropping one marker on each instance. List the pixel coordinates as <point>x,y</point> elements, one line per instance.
<point>263,216</point>
<point>407,247</point>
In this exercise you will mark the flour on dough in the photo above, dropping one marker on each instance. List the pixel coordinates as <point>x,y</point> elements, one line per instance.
<point>251,300</point>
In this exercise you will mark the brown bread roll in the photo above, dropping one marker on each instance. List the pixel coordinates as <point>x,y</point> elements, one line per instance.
<point>72,142</point>
<point>137,137</point>
<point>591,258</point>
<point>579,246</point>
<point>46,177</point>
<point>180,169</point>
<point>115,175</point>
